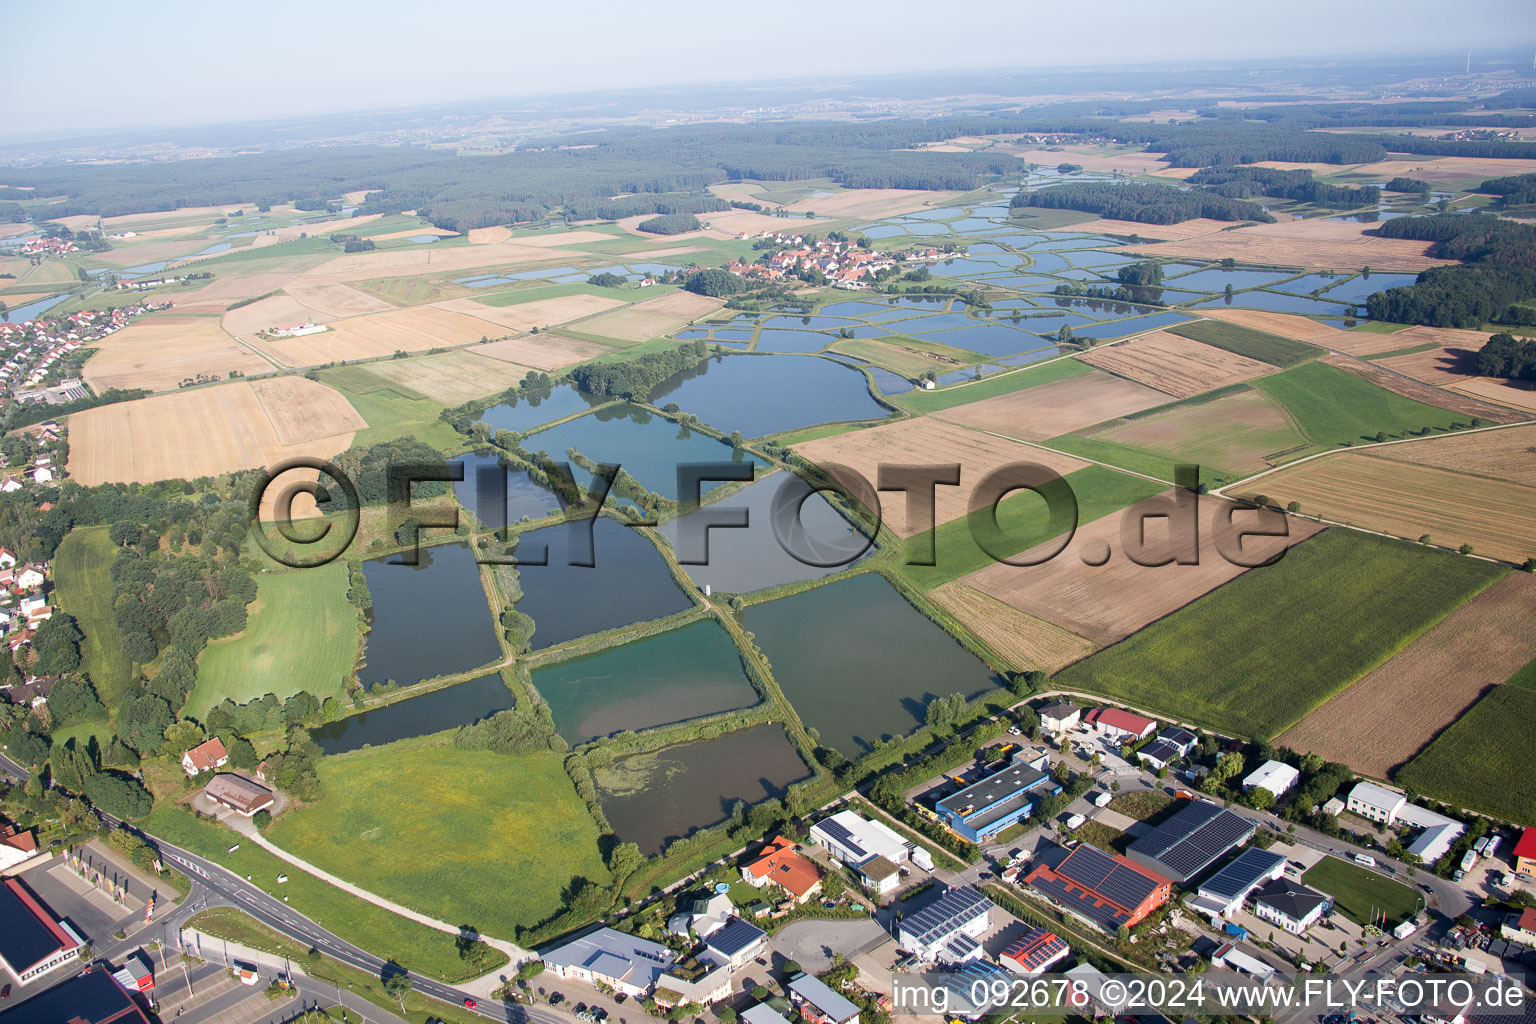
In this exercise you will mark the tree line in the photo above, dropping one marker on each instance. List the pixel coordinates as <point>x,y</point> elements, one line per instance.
<point>1247,182</point>
<point>1143,202</point>
<point>637,377</point>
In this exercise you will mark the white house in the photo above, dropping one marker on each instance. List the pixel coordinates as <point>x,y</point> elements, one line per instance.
<point>30,578</point>
<point>1375,802</point>
<point>1060,716</point>
<point>1275,776</point>
<point>42,475</point>
<point>1291,905</point>
<point>871,848</point>
<point>7,559</point>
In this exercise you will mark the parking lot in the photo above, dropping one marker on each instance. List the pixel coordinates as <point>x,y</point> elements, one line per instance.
<point>91,911</point>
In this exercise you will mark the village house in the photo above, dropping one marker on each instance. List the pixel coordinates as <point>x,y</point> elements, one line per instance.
<point>778,864</point>
<point>205,757</point>
<point>736,944</point>
<point>626,963</point>
<point>1034,951</point>
<point>1060,716</point>
<point>818,1004</point>
<point>1291,905</point>
<point>1275,776</point>
<point>1119,725</point>
<point>1520,927</point>
<point>16,846</point>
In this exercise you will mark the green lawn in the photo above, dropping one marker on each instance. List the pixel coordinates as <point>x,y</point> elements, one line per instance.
<point>1266,348</point>
<point>1358,892</point>
<point>301,635</point>
<point>392,410</point>
<point>1023,518</point>
<point>1480,759</point>
<point>375,929</point>
<point>1253,657</point>
<point>1334,407</point>
<point>1000,384</point>
<point>467,836</point>
<point>83,574</point>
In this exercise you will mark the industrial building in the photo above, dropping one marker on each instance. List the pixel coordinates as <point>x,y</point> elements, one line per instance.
<point>947,928</point>
<point>1224,892</point>
<point>871,848</point>
<point>983,809</point>
<point>33,942</point>
<point>1192,840</point>
<point>1112,892</point>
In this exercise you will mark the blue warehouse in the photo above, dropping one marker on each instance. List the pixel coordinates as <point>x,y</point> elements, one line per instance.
<point>983,809</point>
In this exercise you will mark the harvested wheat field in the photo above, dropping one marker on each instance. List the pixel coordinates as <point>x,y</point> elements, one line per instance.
<point>734,222</point>
<point>869,203</point>
<point>485,236</point>
<point>632,226</point>
<point>1094,159</point>
<point>13,300</point>
<point>335,299</point>
<point>1446,168</point>
<point>208,431</point>
<point>1437,367</point>
<point>1285,325</point>
<point>1420,392</point>
<point>415,232</point>
<point>1108,603</point>
<point>1505,454</point>
<point>560,238</point>
<point>1059,407</point>
<point>1240,433</point>
<point>652,318</point>
<point>1313,244</point>
<point>380,334</point>
<point>1165,232</point>
<point>925,441</point>
<point>158,353</point>
<point>1023,640</point>
<point>452,377</point>
<point>1506,392</point>
<point>264,314</point>
<point>1177,366</point>
<point>1387,716</point>
<point>1389,496</point>
<point>542,351</point>
<point>540,313</point>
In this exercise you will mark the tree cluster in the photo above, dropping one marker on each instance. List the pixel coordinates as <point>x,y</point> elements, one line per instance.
<point>637,377</point>
<point>1143,202</point>
<point>670,224</point>
<point>1500,271</point>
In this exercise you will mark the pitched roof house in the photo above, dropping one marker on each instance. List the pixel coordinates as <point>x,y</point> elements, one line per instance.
<point>205,757</point>
<point>778,864</point>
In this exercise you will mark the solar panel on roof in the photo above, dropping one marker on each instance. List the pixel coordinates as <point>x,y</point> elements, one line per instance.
<point>736,936</point>
<point>1191,840</point>
<point>1126,887</point>
<point>946,913</point>
<point>840,833</point>
<point>1087,866</point>
<point>1242,873</point>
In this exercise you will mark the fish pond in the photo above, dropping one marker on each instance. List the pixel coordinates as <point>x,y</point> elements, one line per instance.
<point>429,619</point>
<point>447,708</point>
<point>761,395</point>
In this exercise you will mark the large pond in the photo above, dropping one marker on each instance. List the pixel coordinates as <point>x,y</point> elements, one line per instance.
<point>429,620</point>
<point>524,497</point>
<point>743,560</point>
<point>648,447</point>
<point>685,673</point>
<point>651,799</point>
<point>628,581</point>
<point>760,395</point>
<point>522,414</point>
<point>858,662</point>
<point>432,712</point>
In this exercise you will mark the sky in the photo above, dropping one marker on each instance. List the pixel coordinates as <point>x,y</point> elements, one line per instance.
<point>96,66</point>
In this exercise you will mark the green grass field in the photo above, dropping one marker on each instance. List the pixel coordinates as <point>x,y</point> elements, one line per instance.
<point>1333,407</point>
<point>375,929</point>
<point>391,410</point>
<point>991,387</point>
<point>1136,460</point>
<point>1023,517</point>
<point>898,355</point>
<point>1478,761</point>
<point>83,574</point>
<point>1358,892</point>
<point>1266,348</point>
<point>1526,677</point>
<point>301,635</point>
<point>467,836</point>
<point>1253,657</point>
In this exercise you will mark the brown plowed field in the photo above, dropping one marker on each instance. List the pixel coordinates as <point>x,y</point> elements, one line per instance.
<point>1508,454</point>
<point>1108,603</point>
<point>1497,518</point>
<point>1025,641</point>
<point>208,431</point>
<point>1059,407</point>
<point>543,351</point>
<point>1313,244</point>
<point>1421,392</point>
<point>1437,367</point>
<point>159,353</point>
<point>1177,366</point>
<point>927,441</point>
<point>681,303</point>
<point>1393,712</point>
<point>452,377</point>
<point>540,313</point>
<point>413,329</point>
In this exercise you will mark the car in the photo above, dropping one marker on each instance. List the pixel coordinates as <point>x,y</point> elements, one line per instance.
<point>5,993</point>
<point>1426,887</point>
<point>470,1004</point>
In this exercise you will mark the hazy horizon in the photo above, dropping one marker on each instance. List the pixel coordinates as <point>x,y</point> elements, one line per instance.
<point>176,65</point>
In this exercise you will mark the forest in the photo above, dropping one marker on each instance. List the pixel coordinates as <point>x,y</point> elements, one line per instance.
<point>1500,270</point>
<point>1504,355</point>
<point>1247,182</point>
<point>1515,190</point>
<point>1142,202</point>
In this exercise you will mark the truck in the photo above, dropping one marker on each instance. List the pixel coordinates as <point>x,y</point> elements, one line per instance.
<point>1076,821</point>
<point>1365,859</point>
<point>1237,931</point>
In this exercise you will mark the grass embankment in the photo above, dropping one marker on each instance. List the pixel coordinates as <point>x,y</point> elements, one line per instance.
<point>1476,762</point>
<point>229,923</point>
<point>1244,341</point>
<point>467,836</point>
<point>384,934</point>
<point>989,387</point>
<point>301,634</point>
<point>1334,407</point>
<point>83,577</point>
<point>1357,893</point>
<point>1228,661</point>
<point>391,410</point>
<point>1023,519</point>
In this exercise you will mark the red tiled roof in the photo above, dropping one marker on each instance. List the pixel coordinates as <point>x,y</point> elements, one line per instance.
<point>1527,920</point>
<point>780,864</point>
<point>1119,719</point>
<point>207,754</point>
<point>1526,847</point>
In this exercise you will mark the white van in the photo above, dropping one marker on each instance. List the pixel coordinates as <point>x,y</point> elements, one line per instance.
<point>1365,859</point>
